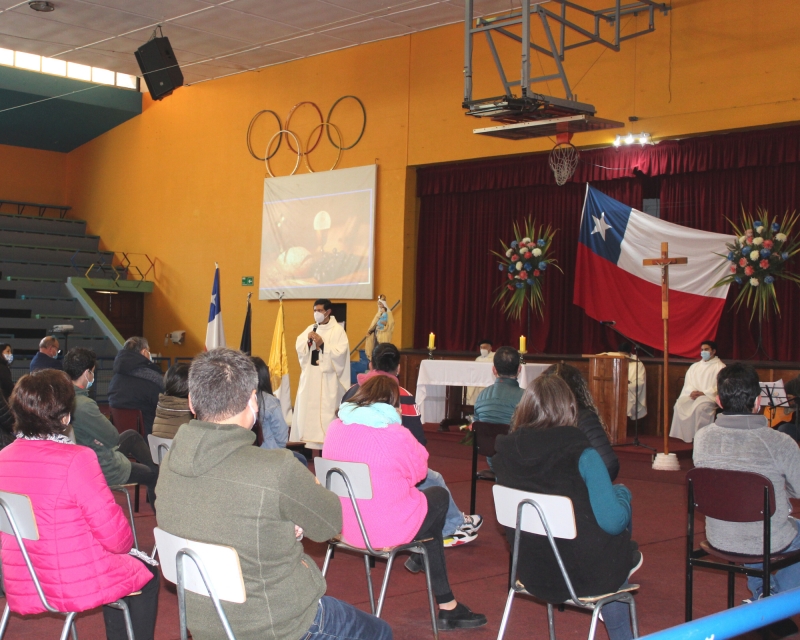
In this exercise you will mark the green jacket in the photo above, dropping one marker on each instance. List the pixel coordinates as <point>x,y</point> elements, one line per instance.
<point>93,430</point>
<point>215,487</point>
<point>498,402</point>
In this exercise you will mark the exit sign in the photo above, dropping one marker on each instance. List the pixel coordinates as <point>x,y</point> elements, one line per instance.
<point>247,281</point>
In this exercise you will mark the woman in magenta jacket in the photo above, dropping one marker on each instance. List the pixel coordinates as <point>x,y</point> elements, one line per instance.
<point>82,555</point>
<point>369,429</point>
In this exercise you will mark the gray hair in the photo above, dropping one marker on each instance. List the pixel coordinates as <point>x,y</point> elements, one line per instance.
<point>47,342</point>
<point>221,382</point>
<point>136,343</point>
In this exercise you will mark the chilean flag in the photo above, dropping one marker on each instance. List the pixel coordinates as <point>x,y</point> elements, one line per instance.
<point>215,334</point>
<point>612,284</point>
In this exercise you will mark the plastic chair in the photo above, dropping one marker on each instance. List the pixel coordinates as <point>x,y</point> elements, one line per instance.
<point>158,447</point>
<point>352,480</point>
<point>17,519</point>
<point>483,436</point>
<point>732,496</point>
<point>124,419</point>
<point>554,517</point>
<point>214,572</point>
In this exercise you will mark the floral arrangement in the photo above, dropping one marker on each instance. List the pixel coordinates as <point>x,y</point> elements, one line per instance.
<point>524,262</point>
<point>758,256</point>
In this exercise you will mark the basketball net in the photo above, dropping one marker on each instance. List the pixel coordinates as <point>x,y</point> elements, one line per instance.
<point>563,161</point>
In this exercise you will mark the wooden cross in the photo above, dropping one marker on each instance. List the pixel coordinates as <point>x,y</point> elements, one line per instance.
<point>664,262</point>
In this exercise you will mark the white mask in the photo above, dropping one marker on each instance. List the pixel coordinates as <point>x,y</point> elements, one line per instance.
<point>9,357</point>
<point>705,355</point>
<point>319,317</point>
<point>484,352</point>
<point>254,415</point>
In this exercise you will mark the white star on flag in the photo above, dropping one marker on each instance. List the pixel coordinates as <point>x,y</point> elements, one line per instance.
<point>600,225</point>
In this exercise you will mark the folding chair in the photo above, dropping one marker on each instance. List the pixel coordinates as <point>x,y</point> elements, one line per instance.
<point>352,479</point>
<point>214,572</point>
<point>123,489</point>
<point>483,436</point>
<point>17,519</point>
<point>555,518</point>
<point>732,496</point>
<point>158,447</point>
<point>124,419</point>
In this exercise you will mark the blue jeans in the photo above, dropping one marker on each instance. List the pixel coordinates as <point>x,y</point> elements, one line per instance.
<point>617,618</point>
<point>337,620</point>
<point>454,518</point>
<point>782,580</point>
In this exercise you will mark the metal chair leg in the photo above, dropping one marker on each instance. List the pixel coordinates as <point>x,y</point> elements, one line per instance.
<point>4,621</point>
<point>328,556</point>
<point>506,613</point>
<point>551,623</point>
<point>68,626</point>
<point>367,565</point>
<point>731,584</point>
<point>593,626</point>
<point>634,618</point>
<point>385,583</point>
<point>123,606</point>
<point>428,583</point>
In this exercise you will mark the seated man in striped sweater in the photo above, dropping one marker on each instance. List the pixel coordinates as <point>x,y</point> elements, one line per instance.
<point>458,528</point>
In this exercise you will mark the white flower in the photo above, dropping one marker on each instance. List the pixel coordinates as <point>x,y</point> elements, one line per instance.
<point>758,240</point>
<point>754,282</point>
<point>780,237</point>
<point>537,252</point>
<point>742,239</point>
<point>509,252</point>
<point>759,229</point>
<point>526,240</point>
<point>754,256</point>
<point>519,266</point>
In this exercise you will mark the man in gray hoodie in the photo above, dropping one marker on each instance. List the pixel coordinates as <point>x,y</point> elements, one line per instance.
<point>215,487</point>
<point>741,440</point>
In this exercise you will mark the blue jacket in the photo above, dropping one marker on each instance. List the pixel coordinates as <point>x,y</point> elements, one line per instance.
<point>43,361</point>
<point>498,402</point>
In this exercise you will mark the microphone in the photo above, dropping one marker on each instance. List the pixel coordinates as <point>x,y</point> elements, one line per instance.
<point>608,323</point>
<point>314,330</point>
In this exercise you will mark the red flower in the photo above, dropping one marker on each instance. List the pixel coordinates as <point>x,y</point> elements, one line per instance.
<point>510,276</point>
<point>743,262</point>
<point>527,255</point>
<point>749,240</point>
<point>514,258</point>
<point>510,287</point>
<point>748,271</point>
<point>733,268</point>
<point>767,244</point>
<point>764,264</point>
<point>536,272</point>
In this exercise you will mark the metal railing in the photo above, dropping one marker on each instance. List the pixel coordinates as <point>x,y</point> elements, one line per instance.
<point>42,208</point>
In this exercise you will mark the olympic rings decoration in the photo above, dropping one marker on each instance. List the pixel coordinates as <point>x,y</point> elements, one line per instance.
<point>338,133</point>
<point>283,129</point>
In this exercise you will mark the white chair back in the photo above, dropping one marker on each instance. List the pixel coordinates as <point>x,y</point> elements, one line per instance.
<point>357,473</point>
<point>221,564</point>
<point>158,447</point>
<point>22,512</point>
<point>557,510</point>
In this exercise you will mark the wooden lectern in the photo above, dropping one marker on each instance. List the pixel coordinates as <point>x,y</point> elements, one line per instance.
<point>608,382</point>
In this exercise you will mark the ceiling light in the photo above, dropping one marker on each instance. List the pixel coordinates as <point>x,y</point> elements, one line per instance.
<point>629,139</point>
<point>40,5</point>
<point>641,138</point>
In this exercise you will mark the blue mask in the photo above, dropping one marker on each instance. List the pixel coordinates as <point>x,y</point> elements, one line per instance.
<point>705,355</point>
<point>9,357</point>
<point>90,383</point>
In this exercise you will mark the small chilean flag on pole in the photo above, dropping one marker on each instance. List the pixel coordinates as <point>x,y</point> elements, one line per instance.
<point>611,284</point>
<point>215,334</point>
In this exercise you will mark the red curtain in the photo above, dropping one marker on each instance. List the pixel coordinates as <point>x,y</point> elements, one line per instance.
<point>466,208</point>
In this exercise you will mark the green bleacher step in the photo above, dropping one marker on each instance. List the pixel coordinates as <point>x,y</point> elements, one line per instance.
<point>23,279</point>
<point>54,298</point>
<point>48,316</point>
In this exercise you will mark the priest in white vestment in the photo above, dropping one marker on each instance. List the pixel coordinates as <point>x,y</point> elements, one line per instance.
<point>636,403</point>
<point>324,354</point>
<point>697,404</point>
<point>487,355</point>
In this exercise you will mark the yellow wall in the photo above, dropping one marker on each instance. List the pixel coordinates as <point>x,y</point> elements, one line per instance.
<point>31,175</point>
<point>178,183</point>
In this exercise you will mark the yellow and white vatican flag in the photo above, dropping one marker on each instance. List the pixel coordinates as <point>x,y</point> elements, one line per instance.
<point>279,368</point>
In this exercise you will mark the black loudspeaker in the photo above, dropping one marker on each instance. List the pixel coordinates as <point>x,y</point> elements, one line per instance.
<point>160,67</point>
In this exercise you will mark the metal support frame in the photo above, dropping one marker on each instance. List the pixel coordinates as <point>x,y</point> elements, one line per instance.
<point>555,46</point>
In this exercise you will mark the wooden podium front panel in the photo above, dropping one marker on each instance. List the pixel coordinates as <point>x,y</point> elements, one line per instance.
<point>608,382</point>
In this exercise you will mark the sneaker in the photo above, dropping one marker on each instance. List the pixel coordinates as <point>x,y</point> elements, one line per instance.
<point>638,560</point>
<point>471,523</point>
<point>459,618</point>
<point>459,538</point>
<point>414,563</point>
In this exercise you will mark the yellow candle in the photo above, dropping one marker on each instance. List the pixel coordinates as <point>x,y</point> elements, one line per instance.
<point>523,344</point>
<point>431,342</point>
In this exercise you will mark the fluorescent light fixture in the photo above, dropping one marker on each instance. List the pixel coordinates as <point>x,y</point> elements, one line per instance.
<point>644,138</point>
<point>79,71</point>
<point>641,138</point>
<point>7,57</point>
<point>54,66</point>
<point>29,61</point>
<point>102,76</point>
<point>125,80</point>
<point>629,139</point>
<point>618,141</point>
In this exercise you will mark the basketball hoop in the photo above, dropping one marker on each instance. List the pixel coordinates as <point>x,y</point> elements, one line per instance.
<point>563,161</point>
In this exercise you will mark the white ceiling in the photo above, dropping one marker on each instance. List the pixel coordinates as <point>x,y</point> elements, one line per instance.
<point>214,38</point>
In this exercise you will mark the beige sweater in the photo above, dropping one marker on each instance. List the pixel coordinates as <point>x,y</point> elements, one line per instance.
<point>171,413</point>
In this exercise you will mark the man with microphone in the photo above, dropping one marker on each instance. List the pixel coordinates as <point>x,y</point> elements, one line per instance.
<point>324,354</point>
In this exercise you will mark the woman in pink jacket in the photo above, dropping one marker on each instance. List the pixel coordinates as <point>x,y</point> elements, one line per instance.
<point>82,555</point>
<point>369,429</point>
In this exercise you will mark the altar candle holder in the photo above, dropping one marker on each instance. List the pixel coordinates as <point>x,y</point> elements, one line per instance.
<point>430,352</point>
<point>522,358</point>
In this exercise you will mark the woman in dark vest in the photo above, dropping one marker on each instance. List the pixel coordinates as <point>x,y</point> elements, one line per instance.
<point>546,453</point>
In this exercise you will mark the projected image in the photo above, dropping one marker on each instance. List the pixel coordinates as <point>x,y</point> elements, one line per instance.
<point>317,245</point>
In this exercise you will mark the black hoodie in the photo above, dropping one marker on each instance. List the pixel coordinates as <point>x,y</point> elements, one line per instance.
<point>135,385</point>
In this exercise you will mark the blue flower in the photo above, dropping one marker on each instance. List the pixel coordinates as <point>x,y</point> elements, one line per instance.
<point>775,227</point>
<point>541,242</point>
<point>785,256</point>
<point>730,256</point>
<point>757,223</point>
<point>738,280</point>
<point>769,280</point>
<point>766,253</point>
<point>542,266</point>
<point>511,268</point>
<point>530,281</point>
<point>519,285</point>
<point>528,266</point>
<point>514,244</point>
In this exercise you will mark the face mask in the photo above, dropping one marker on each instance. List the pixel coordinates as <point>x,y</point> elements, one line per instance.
<point>705,355</point>
<point>253,413</point>
<point>484,352</point>
<point>319,317</point>
<point>89,383</point>
<point>9,357</point>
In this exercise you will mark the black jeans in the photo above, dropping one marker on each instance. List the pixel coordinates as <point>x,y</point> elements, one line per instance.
<point>438,501</point>
<point>144,470</point>
<point>143,609</point>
